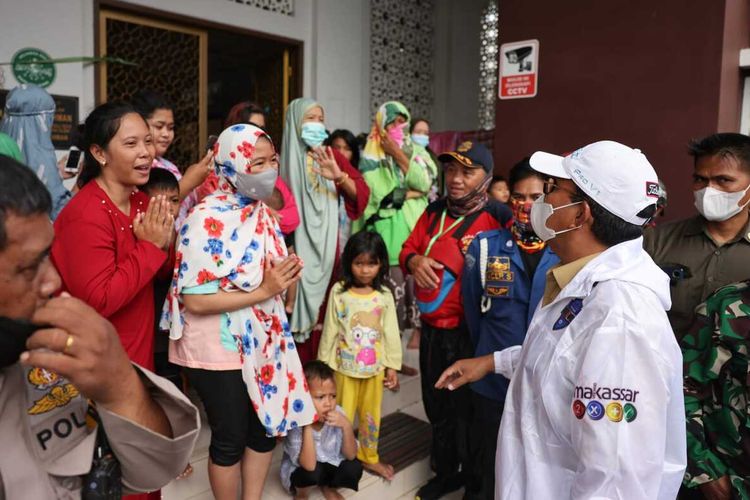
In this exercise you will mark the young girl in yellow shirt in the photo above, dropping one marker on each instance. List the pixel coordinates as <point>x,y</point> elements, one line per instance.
<point>361,341</point>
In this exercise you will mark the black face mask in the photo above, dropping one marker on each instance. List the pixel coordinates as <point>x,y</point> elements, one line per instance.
<point>13,335</point>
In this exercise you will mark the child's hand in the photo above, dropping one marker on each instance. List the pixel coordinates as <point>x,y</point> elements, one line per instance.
<point>337,419</point>
<point>391,379</point>
<point>196,173</point>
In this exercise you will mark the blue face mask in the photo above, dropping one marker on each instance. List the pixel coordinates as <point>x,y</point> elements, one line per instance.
<point>313,134</point>
<point>421,139</point>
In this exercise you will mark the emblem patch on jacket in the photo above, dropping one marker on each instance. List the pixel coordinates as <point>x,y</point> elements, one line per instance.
<point>616,403</point>
<point>465,242</point>
<point>60,391</point>
<point>568,314</point>
<point>498,269</point>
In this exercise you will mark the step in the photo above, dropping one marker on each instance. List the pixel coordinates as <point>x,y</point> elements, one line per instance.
<point>408,400</point>
<point>410,392</point>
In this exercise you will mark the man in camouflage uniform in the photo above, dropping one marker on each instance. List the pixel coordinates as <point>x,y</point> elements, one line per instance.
<point>716,395</point>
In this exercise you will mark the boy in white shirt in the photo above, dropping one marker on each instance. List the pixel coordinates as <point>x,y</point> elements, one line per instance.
<point>324,452</point>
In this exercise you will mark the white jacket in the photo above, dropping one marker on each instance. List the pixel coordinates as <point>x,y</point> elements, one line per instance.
<point>595,407</point>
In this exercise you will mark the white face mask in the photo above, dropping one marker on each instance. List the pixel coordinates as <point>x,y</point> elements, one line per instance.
<point>540,212</point>
<point>717,205</point>
<point>257,186</point>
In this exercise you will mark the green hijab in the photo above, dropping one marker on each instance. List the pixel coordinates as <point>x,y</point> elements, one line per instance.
<point>316,237</point>
<point>394,220</point>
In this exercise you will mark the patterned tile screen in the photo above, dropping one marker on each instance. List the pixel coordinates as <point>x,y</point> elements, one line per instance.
<point>167,62</point>
<point>285,7</point>
<point>488,66</point>
<point>401,53</point>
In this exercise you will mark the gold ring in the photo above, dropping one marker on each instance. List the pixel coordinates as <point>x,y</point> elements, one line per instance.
<point>68,344</point>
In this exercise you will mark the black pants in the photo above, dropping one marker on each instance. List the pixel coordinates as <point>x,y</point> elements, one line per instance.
<point>485,425</point>
<point>346,475</point>
<point>234,424</point>
<point>449,412</point>
<point>686,493</point>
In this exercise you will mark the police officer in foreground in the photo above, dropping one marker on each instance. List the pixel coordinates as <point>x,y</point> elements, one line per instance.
<point>595,404</point>
<point>56,355</point>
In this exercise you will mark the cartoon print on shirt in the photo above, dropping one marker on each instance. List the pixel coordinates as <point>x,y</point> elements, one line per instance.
<point>365,327</point>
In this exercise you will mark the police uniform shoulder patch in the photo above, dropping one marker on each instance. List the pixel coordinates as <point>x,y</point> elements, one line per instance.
<point>57,397</point>
<point>59,391</point>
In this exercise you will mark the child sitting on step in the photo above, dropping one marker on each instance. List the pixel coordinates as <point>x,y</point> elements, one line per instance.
<point>322,453</point>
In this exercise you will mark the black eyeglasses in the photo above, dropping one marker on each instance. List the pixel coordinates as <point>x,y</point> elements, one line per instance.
<point>551,184</point>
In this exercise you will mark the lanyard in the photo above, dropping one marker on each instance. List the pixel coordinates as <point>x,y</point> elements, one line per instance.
<point>441,232</point>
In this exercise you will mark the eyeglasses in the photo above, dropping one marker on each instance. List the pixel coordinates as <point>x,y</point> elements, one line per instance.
<point>551,184</point>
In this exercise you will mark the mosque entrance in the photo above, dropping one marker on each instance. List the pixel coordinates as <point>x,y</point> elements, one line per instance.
<point>202,68</point>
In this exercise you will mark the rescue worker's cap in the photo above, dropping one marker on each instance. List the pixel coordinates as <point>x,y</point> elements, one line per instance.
<point>617,177</point>
<point>470,154</point>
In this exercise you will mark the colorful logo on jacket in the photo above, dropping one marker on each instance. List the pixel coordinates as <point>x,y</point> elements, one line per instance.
<point>614,411</point>
<point>617,403</point>
<point>595,410</point>
<point>579,409</point>
<point>568,314</point>
<point>629,412</point>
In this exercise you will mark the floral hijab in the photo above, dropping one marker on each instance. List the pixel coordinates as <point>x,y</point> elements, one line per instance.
<point>227,238</point>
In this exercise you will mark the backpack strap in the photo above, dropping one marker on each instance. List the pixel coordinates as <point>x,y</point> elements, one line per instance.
<point>466,225</point>
<point>433,223</point>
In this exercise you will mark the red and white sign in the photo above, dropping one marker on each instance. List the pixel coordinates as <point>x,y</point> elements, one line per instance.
<point>519,69</point>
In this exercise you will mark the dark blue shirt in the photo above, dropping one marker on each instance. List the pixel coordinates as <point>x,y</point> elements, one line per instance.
<point>512,294</point>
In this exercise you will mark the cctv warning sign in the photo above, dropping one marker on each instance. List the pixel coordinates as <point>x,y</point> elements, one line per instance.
<point>519,69</point>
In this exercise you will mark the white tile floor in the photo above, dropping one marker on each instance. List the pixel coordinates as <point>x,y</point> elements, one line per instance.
<point>404,486</point>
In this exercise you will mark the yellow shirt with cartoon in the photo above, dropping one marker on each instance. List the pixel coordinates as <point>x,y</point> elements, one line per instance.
<point>360,333</point>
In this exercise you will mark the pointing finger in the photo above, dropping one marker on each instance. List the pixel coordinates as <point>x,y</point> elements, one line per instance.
<point>450,373</point>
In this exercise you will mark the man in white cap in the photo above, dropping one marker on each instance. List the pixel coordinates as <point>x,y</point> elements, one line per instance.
<point>595,406</point>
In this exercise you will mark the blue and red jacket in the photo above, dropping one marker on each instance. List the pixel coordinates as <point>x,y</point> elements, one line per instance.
<point>442,307</point>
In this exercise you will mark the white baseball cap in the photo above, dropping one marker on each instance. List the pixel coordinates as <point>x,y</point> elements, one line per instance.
<point>617,177</point>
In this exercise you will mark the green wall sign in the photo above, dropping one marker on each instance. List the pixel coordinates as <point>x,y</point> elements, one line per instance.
<point>28,67</point>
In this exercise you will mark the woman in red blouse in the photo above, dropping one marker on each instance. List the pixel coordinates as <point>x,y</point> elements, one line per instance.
<point>110,241</point>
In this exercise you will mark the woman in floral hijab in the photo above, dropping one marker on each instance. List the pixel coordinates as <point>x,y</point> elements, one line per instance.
<point>226,318</point>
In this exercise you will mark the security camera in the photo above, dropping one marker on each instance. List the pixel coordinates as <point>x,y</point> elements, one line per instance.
<point>518,56</point>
